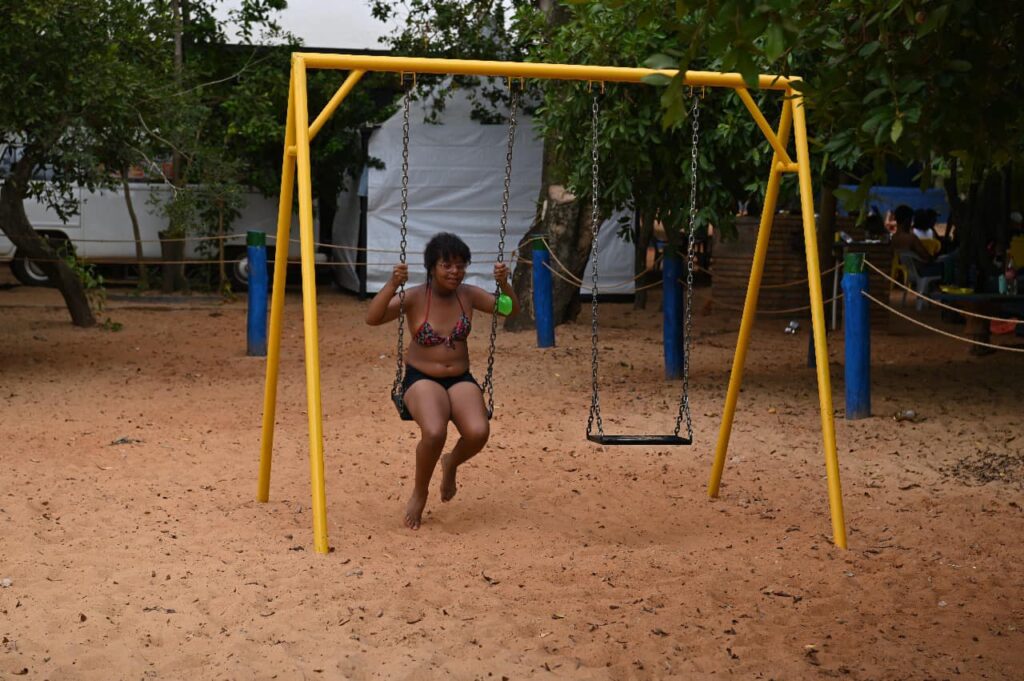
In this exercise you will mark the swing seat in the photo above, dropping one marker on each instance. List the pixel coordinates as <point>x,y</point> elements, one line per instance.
<point>403,411</point>
<point>670,440</point>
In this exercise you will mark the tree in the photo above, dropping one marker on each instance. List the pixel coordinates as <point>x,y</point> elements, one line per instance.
<point>71,72</point>
<point>645,164</point>
<point>938,82</point>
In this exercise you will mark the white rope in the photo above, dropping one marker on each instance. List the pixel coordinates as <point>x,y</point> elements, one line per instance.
<point>787,311</point>
<point>962,311</point>
<point>939,331</point>
<point>794,283</point>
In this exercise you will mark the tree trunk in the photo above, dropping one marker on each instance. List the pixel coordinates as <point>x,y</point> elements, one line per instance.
<point>827,225</point>
<point>562,221</point>
<point>136,232</point>
<point>827,217</point>
<point>173,275</point>
<point>172,252</point>
<point>568,234</point>
<point>16,226</point>
<point>642,235</point>
<point>222,273</point>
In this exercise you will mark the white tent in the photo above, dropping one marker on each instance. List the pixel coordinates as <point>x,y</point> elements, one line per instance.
<point>456,179</point>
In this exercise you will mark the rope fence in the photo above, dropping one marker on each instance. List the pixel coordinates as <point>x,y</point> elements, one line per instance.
<point>929,327</point>
<point>804,308</point>
<point>939,303</point>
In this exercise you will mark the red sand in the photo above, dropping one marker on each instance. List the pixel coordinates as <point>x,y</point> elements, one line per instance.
<point>135,549</point>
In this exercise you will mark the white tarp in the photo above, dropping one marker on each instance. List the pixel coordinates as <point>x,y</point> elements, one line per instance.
<point>456,178</point>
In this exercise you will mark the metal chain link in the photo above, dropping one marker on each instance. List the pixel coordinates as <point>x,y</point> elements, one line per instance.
<point>595,400</point>
<point>684,400</point>
<point>488,384</point>
<point>396,389</point>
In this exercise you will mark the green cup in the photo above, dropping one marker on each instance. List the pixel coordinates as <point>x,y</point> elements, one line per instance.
<point>504,305</point>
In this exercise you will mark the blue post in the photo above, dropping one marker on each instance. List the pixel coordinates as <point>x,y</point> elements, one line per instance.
<point>256,335</point>
<point>543,302</point>
<point>858,338</point>
<point>672,304</point>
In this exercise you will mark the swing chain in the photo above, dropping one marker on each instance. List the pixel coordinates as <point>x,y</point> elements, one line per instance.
<point>488,379</point>
<point>595,400</point>
<point>396,389</point>
<point>684,402</point>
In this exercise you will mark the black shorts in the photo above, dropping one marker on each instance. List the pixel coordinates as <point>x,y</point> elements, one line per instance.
<point>412,374</point>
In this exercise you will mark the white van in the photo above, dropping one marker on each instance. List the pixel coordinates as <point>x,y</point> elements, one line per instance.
<point>101,230</point>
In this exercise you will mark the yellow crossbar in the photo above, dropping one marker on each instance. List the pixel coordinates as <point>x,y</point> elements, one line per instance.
<point>507,69</point>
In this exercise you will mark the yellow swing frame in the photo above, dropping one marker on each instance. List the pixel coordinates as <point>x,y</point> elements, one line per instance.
<point>299,133</point>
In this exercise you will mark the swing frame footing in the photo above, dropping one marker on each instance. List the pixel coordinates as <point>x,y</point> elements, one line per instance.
<point>676,440</point>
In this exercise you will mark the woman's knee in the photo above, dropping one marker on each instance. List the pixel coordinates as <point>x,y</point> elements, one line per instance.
<point>476,432</point>
<point>434,434</point>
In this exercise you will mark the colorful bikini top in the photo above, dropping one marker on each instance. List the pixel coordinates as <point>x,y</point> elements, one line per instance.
<point>426,335</point>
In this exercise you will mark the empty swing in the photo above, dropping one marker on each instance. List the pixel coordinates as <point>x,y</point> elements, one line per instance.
<point>673,438</point>
<point>397,393</point>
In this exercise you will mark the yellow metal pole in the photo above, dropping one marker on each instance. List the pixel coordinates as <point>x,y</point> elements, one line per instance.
<point>284,221</point>
<point>828,427</point>
<point>759,118</point>
<point>314,409</point>
<point>771,196</point>
<point>332,106</point>
<point>505,69</point>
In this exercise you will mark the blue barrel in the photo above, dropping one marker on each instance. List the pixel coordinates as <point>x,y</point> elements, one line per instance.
<point>543,302</point>
<point>673,304</point>
<point>256,318</point>
<point>857,330</point>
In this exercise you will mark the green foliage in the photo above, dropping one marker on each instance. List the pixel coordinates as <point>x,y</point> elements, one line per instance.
<point>910,79</point>
<point>72,74</point>
<point>645,155</point>
<point>460,29</point>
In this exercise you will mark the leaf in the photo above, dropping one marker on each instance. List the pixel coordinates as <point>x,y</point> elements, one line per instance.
<point>874,94</point>
<point>869,49</point>
<point>774,43</point>
<point>746,66</point>
<point>959,65</point>
<point>656,79</point>
<point>897,130</point>
<point>661,61</point>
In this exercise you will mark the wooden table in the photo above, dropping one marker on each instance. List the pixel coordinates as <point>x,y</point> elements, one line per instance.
<point>980,303</point>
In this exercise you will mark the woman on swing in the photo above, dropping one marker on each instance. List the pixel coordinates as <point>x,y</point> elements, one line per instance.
<point>438,387</point>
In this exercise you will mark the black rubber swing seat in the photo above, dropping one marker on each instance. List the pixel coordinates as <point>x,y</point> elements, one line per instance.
<point>403,411</point>
<point>670,440</point>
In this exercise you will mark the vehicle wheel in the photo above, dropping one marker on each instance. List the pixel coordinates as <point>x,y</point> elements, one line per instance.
<point>238,272</point>
<point>29,272</point>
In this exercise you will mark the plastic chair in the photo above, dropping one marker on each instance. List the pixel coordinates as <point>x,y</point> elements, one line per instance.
<point>897,272</point>
<point>933,246</point>
<point>1017,251</point>
<point>920,284</point>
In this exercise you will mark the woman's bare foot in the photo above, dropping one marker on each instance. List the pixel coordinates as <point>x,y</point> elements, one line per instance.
<point>414,510</point>
<point>448,486</point>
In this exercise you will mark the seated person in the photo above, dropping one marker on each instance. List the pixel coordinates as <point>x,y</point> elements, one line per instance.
<point>924,223</point>
<point>903,239</point>
<point>874,227</point>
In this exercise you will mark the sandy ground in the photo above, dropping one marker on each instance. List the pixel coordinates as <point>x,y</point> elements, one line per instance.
<point>135,549</point>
